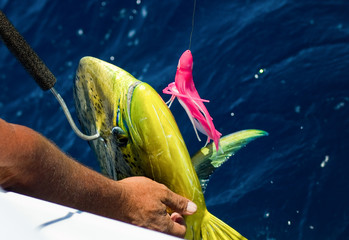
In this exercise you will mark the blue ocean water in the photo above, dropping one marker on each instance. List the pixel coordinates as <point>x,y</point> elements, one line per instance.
<point>280,66</point>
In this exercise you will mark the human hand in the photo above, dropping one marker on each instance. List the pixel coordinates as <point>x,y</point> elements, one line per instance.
<point>30,164</point>
<point>145,203</point>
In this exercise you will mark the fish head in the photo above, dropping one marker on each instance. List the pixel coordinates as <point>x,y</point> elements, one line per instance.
<point>101,99</point>
<point>185,62</point>
<point>139,135</point>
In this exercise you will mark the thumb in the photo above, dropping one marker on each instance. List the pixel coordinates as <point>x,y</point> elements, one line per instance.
<point>179,204</point>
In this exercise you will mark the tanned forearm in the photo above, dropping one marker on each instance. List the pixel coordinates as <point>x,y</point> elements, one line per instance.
<point>31,164</point>
<point>41,170</point>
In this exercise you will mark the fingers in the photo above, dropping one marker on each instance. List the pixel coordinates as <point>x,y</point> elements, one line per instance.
<point>179,204</point>
<point>177,218</point>
<point>178,227</point>
<point>151,211</point>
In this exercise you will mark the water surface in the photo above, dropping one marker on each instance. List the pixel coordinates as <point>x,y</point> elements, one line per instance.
<point>280,66</point>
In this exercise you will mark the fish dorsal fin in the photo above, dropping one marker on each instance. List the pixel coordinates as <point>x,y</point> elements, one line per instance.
<point>207,160</point>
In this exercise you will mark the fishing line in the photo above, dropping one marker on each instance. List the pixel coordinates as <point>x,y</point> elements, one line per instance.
<point>192,25</point>
<point>35,66</point>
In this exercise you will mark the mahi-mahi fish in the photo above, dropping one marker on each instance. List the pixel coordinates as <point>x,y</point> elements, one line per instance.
<point>140,137</point>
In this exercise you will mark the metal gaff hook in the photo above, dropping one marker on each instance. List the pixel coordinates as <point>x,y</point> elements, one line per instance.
<point>35,66</point>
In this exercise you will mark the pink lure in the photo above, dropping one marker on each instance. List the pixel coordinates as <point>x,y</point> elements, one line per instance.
<point>189,98</point>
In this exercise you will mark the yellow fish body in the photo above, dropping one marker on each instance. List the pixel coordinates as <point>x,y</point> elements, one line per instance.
<point>139,136</point>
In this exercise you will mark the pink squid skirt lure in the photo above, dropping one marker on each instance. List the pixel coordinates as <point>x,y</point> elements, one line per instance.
<point>184,89</point>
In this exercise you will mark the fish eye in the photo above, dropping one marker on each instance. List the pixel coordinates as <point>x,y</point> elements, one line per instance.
<point>120,136</point>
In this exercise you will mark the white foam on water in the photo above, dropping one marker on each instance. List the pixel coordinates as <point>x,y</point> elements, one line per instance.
<point>325,161</point>
<point>144,12</point>
<point>339,105</point>
<point>131,33</point>
<point>80,32</point>
<point>297,109</point>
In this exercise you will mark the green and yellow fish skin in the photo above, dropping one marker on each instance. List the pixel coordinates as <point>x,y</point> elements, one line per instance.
<point>101,92</point>
<point>207,159</point>
<point>150,143</point>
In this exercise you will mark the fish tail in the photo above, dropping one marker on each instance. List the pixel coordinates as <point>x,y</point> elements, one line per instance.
<point>213,228</point>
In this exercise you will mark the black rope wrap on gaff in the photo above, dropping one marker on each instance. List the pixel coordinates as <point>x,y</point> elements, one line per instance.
<point>25,54</point>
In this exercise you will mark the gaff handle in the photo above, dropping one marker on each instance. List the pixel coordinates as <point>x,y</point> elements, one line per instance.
<point>35,66</point>
<point>25,54</point>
